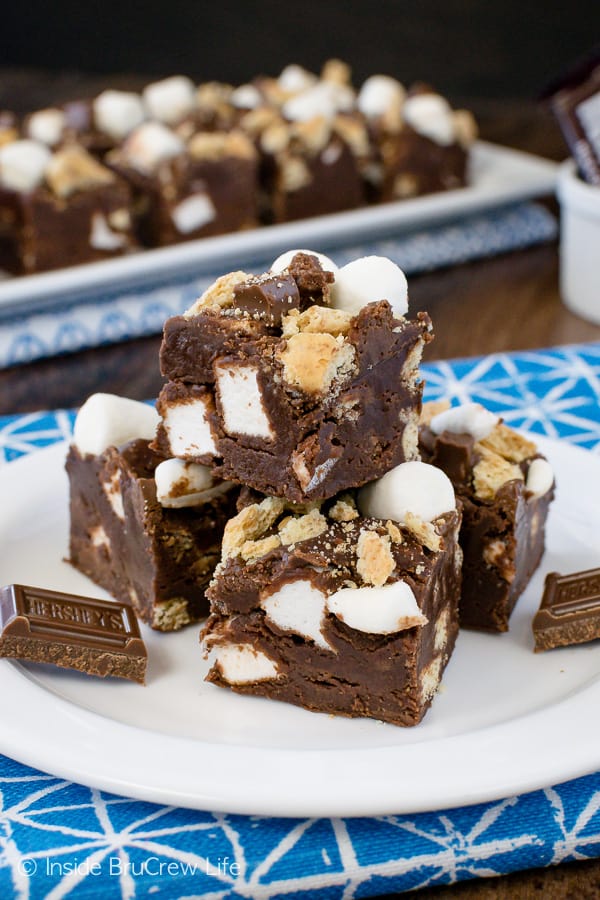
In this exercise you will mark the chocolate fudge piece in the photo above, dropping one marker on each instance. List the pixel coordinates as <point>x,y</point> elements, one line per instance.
<point>93,636</point>
<point>281,392</point>
<point>506,488</point>
<point>336,611</point>
<point>185,191</point>
<point>570,610</point>
<point>59,209</point>
<point>153,547</point>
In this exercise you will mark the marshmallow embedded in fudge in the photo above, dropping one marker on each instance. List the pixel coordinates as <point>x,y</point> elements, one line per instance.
<point>298,606</point>
<point>117,113</point>
<point>171,99</point>
<point>106,420</point>
<point>431,115</point>
<point>368,279</point>
<point>188,430</point>
<point>468,418</point>
<point>193,212</point>
<point>377,610</point>
<point>540,477</point>
<point>379,94</point>
<point>241,401</point>
<point>46,126</point>
<point>180,483</point>
<point>151,144</point>
<point>242,663</point>
<point>23,165</point>
<point>102,236</point>
<point>410,489</point>
<point>283,261</point>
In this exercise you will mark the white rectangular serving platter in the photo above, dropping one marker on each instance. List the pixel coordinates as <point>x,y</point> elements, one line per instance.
<point>498,176</point>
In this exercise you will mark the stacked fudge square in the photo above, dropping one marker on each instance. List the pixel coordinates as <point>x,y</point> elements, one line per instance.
<point>178,161</point>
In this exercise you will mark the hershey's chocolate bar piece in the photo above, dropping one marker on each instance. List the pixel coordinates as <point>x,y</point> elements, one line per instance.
<point>576,106</point>
<point>269,297</point>
<point>98,637</point>
<point>570,610</point>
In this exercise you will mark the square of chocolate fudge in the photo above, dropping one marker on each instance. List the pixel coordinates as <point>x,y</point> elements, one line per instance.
<point>146,529</point>
<point>184,191</point>
<point>59,209</point>
<point>337,610</point>
<point>506,487</point>
<point>285,393</point>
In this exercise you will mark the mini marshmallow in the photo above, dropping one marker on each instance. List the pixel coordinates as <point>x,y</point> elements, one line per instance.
<point>243,664</point>
<point>102,237</point>
<point>106,420</point>
<point>377,610</point>
<point>23,165</point>
<point>151,144</point>
<point>379,94</point>
<point>171,99</point>
<point>294,79</point>
<point>298,606</point>
<point>116,113</point>
<point>283,261</point>
<point>412,487</point>
<point>193,213</point>
<point>246,97</point>
<point>469,418</point>
<point>241,401</point>
<point>540,477</point>
<point>188,429</point>
<point>432,116</point>
<point>46,126</point>
<point>368,279</point>
<point>180,483</point>
<point>324,99</point>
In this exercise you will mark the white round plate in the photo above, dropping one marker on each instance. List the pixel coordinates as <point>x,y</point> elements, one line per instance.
<point>506,720</point>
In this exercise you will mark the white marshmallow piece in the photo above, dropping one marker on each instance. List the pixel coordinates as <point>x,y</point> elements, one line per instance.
<point>171,99</point>
<point>188,429</point>
<point>106,420</point>
<point>193,213</point>
<point>369,279</point>
<point>412,487</point>
<point>377,610</point>
<point>241,401</point>
<point>298,606</point>
<point>23,165</point>
<point>379,94</point>
<point>283,261</point>
<point>324,99</point>
<point>540,477</point>
<point>294,79</point>
<point>117,113</point>
<point>150,145</point>
<point>46,126</point>
<point>246,96</point>
<point>243,664</point>
<point>431,116</point>
<point>102,237</point>
<point>180,483</point>
<point>468,418</point>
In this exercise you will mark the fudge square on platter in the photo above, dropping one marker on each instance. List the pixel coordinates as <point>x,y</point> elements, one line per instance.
<point>146,529</point>
<point>299,383</point>
<point>347,607</point>
<point>506,488</point>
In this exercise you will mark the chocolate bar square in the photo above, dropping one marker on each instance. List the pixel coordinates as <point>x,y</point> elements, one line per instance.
<point>334,611</point>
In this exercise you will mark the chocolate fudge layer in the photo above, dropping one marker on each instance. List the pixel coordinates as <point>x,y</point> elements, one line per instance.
<point>506,488</point>
<point>284,393</point>
<point>334,611</point>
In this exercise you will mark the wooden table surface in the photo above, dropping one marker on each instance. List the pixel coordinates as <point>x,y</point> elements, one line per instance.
<point>510,302</point>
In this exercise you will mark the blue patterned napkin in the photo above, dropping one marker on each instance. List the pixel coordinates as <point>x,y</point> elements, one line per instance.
<point>110,318</point>
<point>62,840</point>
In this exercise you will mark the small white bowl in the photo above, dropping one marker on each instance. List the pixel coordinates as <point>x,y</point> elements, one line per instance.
<point>579,243</point>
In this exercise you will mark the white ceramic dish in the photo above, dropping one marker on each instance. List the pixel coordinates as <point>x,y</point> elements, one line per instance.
<point>498,176</point>
<point>579,243</point>
<point>505,721</point>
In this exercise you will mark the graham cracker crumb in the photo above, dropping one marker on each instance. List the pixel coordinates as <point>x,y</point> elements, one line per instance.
<point>219,295</point>
<point>336,71</point>
<point>252,550</point>
<point>215,145</point>
<point>74,169</point>
<point>170,615</point>
<point>507,443</point>
<point>353,133</point>
<point>294,174</point>
<point>344,510</point>
<point>431,409</point>
<point>317,320</point>
<point>375,562</point>
<point>312,361</point>
<point>294,529</point>
<point>394,532</point>
<point>314,134</point>
<point>424,532</point>
<point>250,524</point>
<point>491,472</point>
<point>465,127</point>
